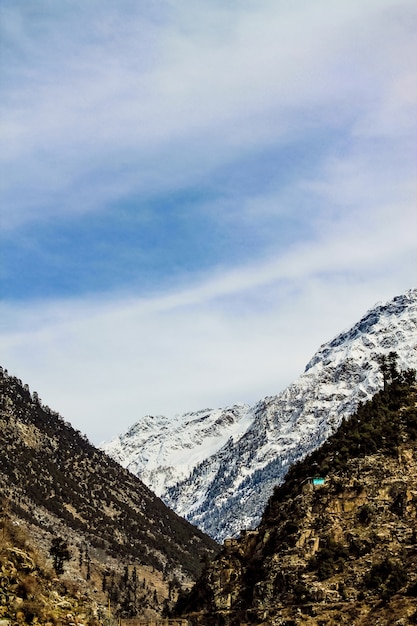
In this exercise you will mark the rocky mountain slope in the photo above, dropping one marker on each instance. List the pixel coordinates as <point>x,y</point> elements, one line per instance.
<point>30,591</point>
<point>229,484</point>
<point>57,485</point>
<point>337,543</point>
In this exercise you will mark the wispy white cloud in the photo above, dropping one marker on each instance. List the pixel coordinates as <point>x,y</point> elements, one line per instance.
<point>124,99</point>
<point>237,336</point>
<point>293,124</point>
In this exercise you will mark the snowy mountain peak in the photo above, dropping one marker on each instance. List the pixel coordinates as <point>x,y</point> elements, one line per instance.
<point>218,467</point>
<point>370,324</point>
<point>164,452</point>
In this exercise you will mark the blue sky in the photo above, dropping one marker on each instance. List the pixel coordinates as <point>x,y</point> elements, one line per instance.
<point>195,196</point>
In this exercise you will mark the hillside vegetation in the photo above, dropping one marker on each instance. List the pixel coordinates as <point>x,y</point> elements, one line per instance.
<point>30,591</point>
<point>337,543</point>
<point>60,488</point>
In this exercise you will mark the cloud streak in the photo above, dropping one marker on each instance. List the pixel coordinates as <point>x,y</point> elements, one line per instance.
<point>236,337</point>
<point>122,99</point>
<point>195,197</point>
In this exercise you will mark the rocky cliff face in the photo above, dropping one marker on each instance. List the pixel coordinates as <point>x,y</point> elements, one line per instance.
<point>337,543</point>
<point>225,487</point>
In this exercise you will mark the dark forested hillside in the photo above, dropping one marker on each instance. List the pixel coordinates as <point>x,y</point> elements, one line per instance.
<point>337,543</point>
<point>55,480</point>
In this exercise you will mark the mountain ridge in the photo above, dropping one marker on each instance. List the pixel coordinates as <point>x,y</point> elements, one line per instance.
<point>164,451</point>
<point>227,490</point>
<point>57,484</point>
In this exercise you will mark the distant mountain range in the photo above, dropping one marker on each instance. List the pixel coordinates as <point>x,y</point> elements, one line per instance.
<point>164,452</point>
<point>217,468</point>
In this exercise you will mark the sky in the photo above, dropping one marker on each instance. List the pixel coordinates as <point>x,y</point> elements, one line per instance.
<point>195,195</point>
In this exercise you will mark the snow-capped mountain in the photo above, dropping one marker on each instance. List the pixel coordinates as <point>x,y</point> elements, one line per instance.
<point>218,468</point>
<point>163,452</point>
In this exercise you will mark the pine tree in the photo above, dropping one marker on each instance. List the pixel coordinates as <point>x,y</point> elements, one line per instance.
<point>60,553</point>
